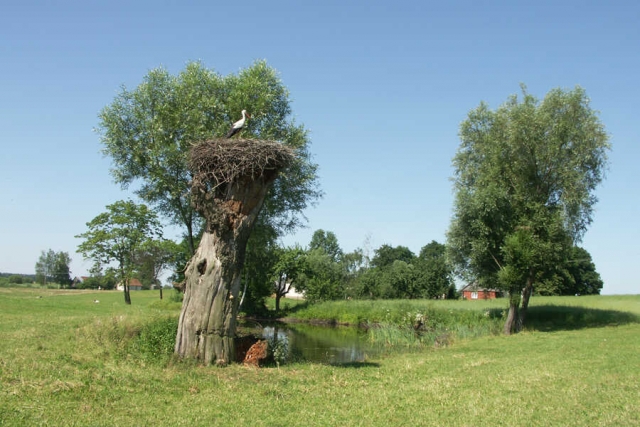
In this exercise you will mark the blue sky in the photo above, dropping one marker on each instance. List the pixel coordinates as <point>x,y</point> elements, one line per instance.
<point>381,86</point>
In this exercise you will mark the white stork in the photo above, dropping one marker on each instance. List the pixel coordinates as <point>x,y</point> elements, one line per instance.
<point>237,126</point>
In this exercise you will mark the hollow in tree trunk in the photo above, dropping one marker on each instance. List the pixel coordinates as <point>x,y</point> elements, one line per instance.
<point>230,181</point>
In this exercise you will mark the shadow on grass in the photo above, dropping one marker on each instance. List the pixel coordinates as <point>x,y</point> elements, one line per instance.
<point>289,310</point>
<point>557,317</point>
<point>356,365</point>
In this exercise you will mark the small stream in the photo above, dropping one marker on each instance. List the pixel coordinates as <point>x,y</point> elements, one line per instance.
<point>336,345</point>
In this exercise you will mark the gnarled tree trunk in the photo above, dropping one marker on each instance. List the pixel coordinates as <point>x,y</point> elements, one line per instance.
<point>231,180</point>
<point>517,314</point>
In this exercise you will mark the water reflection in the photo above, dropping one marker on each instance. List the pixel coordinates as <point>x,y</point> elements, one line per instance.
<point>322,344</point>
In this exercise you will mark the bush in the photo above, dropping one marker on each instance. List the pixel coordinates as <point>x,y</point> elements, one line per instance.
<point>157,339</point>
<point>176,296</point>
<point>277,350</point>
<point>16,278</point>
<point>124,338</point>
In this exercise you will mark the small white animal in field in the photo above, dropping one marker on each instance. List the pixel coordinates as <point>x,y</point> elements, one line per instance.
<point>96,301</point>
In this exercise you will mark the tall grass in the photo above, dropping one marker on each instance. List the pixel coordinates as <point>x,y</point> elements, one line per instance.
<point>149,340</point>
<point>65,361</point>
<point>410,323</point>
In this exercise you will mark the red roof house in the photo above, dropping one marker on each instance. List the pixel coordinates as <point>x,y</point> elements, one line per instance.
<point>134,285</point>
<point>474,291</point>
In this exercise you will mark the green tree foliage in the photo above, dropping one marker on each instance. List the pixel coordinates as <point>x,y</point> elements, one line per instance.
<point>117,235</point>
<point>386,255</point>
<point>324,273</point>
<point>181,258</point>
<point>53,266</point>
<point>524,181</point>
<point>328,242</point>
<point>583,277</point>
<point>15,279</point>
<point>260,257</point>
<point>61,271</point>
<point>287,271</point>
<point>45,266</point>
<point>397,273</point>
<point>98,279</point>
<point>153,257</point>
<point>149,131</point>
<point>578,276</point>
<point>353,266</point>
<point>435,275</point>
<point>322,279</point>
<point>392,274</point>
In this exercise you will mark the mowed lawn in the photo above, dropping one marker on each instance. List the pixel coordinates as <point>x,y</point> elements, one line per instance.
<point>64,362</point>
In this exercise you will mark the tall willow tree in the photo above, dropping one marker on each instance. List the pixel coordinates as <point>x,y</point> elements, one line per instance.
<point>148,131</point>
<point>524,183</point>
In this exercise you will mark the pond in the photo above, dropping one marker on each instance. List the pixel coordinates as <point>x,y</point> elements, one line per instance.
<point>336,345</point>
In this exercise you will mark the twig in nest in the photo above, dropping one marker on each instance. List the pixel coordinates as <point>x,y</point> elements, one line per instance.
<point>223,161</point>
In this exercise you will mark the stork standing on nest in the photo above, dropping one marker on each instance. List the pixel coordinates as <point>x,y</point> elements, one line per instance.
<point>237,126</point>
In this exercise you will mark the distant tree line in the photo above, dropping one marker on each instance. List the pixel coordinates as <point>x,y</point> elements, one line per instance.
<point>323,271</point>
<point>13,279</point>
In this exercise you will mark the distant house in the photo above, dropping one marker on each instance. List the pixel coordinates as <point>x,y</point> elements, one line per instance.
<point>134,285</point>
<point>474,291</point>
<point>294,294</point>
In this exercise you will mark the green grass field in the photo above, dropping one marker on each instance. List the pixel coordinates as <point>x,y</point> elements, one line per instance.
<point>67,361</point>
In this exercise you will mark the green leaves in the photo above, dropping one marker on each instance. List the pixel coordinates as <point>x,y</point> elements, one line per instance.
<point>118,234</point>
<point>53,267</point>
<point>524,179</point>
<point>149,131</point>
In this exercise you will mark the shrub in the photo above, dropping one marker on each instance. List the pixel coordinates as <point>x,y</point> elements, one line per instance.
<point>123,338</point>
<point>156,339</point>
<point>16,278</point>
<point>176,296</point>
<point>278,350</point>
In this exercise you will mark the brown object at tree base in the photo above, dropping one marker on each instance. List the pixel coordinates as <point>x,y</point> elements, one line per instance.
<point>231,178</point>
<point>256,354</point>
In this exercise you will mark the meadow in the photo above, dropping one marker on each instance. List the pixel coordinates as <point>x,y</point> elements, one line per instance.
<point>66,360</point>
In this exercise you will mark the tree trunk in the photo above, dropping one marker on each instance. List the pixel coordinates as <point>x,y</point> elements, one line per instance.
<point>526,294</point>
<point>127,296</point>
<point>278,296</point>
<point>207,323</point>
<point>160,291</point>
<point>510,325</point>
<point>230,181</point>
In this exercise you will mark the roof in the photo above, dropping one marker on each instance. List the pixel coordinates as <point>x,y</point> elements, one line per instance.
<point>134,282</point>
<point>475,287</point>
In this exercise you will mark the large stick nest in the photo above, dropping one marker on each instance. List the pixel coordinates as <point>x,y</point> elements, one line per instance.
<point>231,176</point>
<point>226,161</point>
